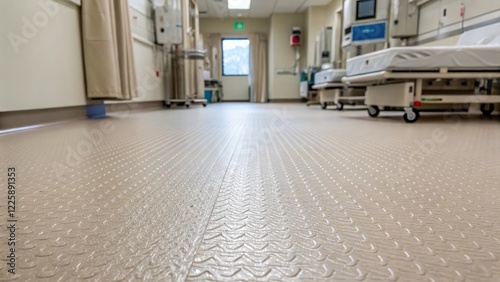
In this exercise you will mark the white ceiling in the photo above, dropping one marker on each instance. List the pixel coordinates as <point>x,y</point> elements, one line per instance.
<point>258,9</point>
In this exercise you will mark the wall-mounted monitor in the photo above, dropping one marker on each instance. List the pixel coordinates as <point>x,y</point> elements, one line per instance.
<point>369,33</point>
<point>366,9</point>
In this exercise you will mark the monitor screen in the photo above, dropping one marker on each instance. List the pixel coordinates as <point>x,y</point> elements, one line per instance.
<point>366,9</point>
<point>372,32</point>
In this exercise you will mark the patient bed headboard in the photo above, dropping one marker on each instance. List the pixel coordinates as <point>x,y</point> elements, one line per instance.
<point>487,36</point>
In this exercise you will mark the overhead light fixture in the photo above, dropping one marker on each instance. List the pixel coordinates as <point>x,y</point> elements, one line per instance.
<point>239,4</point>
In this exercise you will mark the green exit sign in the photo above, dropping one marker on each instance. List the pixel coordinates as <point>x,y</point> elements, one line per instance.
<point>239,26</point>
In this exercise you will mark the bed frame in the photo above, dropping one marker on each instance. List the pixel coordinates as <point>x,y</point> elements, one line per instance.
<point>404,89</point>
<point>340,94</point>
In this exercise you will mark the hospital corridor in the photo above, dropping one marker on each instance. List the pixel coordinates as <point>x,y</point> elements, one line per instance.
<point>249,140</point>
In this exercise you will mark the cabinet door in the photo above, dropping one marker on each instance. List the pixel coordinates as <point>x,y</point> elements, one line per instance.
<point>474,8</point>
<point>429,17</point>
<point>450,12</point>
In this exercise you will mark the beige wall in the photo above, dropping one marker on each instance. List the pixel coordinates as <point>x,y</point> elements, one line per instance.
<point>449,41</point>
<point>318,17</point>
<point>281,55</point>
<point>443,30</point>
<point>225,26</point>
<point>46,69</point>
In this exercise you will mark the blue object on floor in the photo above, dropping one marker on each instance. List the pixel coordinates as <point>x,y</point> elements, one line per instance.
<point>97,111</point>
<point>208,95</point>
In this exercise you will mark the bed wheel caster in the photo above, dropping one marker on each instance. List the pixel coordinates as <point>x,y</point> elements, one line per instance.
<point>411,115</point>
<point>340,106</point>
<point>168,106</point>
<point>487,109</point>
<point>373,111</point>
<point>187,106</point>
<point>204,105</point>
<point>324,105</point>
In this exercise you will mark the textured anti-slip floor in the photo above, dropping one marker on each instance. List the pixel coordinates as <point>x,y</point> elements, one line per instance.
<point>257,193</point>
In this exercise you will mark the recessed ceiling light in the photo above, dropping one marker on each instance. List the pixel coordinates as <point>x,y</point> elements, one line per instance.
<point>239,4</point>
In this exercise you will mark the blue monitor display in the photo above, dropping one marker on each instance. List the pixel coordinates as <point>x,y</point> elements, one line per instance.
<point>369,32</point>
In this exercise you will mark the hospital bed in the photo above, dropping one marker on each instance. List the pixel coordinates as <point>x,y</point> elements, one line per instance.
<point>437,78</point>
<point>333,91</point>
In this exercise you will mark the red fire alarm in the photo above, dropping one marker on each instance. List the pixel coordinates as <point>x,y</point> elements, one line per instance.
<point>295,39</point>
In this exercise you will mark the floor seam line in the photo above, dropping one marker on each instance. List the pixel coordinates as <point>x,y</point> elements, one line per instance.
<point>217,196</point>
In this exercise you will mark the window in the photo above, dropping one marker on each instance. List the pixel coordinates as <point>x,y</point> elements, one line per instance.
<point>235,57</point>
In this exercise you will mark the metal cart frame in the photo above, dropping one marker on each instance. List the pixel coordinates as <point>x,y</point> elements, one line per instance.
<point>405,90</point>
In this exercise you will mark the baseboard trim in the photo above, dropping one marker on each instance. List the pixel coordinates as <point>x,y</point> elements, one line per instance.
<point>134,106</point>
<point>28,118</point>
<point>12,121</point>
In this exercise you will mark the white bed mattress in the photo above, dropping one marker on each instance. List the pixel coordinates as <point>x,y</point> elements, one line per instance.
<point>328,76</point>
<point>455,58</point>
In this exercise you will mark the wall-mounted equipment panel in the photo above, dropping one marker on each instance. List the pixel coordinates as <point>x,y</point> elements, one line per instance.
<point>325,45</point>
<point>362,12</point>
<point>429,17</point>
<point>168,23</point>
<point>450,13</point>
<point>405,19</point>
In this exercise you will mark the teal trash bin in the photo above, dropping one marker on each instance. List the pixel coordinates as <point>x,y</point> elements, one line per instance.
<point>208,95</point>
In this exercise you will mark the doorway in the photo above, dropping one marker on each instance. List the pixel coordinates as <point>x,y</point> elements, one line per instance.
<point>235,68</point>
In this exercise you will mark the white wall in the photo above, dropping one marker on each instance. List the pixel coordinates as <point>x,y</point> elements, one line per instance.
<point>46,69</point>
<point>282,55</point>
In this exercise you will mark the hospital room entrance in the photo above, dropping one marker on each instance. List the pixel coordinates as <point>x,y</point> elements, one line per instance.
<point>236,69</point>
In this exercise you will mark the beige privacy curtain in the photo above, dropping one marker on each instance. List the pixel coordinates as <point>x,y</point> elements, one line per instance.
<point>258,68</point>
<point>107,45</point>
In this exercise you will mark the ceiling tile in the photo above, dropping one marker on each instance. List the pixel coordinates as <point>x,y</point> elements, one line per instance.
<point>288,6</point>
<point>258,9</point>
<point>237,13</point>
<point>317,2</point>
<point>311,3</point>
<point>262,8</point>
<point>217,9</point>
